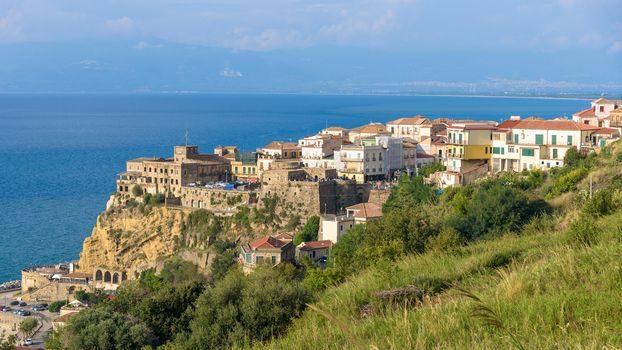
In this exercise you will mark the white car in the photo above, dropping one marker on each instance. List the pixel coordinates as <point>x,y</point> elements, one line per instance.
<point>28,342</point>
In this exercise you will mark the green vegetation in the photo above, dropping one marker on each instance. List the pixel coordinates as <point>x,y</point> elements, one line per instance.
<point>309,231</point>
<point>153,199</point>
<point>27,326</point>
<point>525,261</point>
<point>431,168</point>
<point>137,191</point>
<point>55,306</point>
<point>7,343</point>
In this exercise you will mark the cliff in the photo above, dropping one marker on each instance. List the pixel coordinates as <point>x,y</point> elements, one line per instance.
<point>132,237</point>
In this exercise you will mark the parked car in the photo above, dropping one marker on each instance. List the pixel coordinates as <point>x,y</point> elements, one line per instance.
<point>15,302</point>
<point>23,303</point>
<point>25,313</point>
<point>6,309</point>
<point>28,342</point>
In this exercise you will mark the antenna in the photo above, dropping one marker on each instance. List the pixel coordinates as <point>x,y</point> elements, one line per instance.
<point>186,138</point>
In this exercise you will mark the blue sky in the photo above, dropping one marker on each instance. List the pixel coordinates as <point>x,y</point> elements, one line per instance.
<point>394,27</point>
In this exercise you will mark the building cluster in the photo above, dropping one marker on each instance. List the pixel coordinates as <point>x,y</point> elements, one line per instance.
<point>371,154</point>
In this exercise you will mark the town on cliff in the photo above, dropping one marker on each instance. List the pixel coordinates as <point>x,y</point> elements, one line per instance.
<point>343,176</point>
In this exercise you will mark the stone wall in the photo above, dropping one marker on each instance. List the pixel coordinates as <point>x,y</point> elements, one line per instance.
<point>38,287</point>
<point>378,196</point>
<point>215,199</point>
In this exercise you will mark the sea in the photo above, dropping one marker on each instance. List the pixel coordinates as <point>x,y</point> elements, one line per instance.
<point>60,154</point>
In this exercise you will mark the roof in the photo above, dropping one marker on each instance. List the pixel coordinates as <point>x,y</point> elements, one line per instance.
<point>416,120</point>
<point>334,128</point>
<point>408,144</point>
<point>281,145</point>
<point>442,133</point>
<point>590,112</point>
<point>607,101</point>
<point>65,317</point>
<point>284,236</point>
<point>607,131</point>
<point>267,242</point>
<point>472,127</point>
<point>617,110</point>
<point>366,210</point>
<point>315,245</point>
<point>568,125</point>
<point>370,128</point>
<point>78,275</point>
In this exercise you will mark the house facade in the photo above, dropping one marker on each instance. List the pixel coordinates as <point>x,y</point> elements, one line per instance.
<point>416,128</point>
<point>168,175</point>
<point>317,149</point>
<point>467,153</point>
<point>314,250</point>
<point>537,144</point>
<point>361,162</point>
<point>267,250</point>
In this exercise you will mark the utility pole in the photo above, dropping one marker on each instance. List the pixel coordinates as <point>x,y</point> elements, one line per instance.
<point>186,136</point>
<point>591,186</point>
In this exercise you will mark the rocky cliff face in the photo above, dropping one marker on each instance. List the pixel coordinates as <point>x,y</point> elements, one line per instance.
<point>132,238</point>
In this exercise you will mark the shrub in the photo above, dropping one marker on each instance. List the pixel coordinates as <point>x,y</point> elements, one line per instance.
<point>411,191</point>
<point>55,306</point>
<point>447,240</point>
<point>584,231</point>
<point>431,168</point>
<point>137,191</point>
<point>573,157</point>
<point>309,231</point>
<point>568,182</point>
<point>222,263</point>
<point>600,204</point>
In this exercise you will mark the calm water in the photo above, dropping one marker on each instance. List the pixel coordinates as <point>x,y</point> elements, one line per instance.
<point>60,153</point>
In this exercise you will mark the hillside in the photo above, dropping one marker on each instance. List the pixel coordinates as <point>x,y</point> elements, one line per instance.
<point>529,260</point>
<point>555,284</point>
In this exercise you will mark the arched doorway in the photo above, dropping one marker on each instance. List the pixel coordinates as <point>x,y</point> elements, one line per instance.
<point>107,276</point>
<point>98,275</point>
<point>115,278</point>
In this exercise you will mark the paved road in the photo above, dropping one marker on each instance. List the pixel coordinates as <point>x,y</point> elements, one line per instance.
<point>45,318</point>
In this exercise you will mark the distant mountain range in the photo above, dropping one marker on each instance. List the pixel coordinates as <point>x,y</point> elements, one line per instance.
<point>148,65</point>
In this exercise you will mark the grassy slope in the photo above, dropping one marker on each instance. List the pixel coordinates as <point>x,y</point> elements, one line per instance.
<point>548,291</point>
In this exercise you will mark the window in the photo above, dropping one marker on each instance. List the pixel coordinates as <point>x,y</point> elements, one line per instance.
<point>247,258</point>
<point>259,259</point>
<point>554,153</point>
<point>486,150</point>
<point>459,138</point>
<point>554,139</point>
<point>273,260</point>
<point>539,139</point>
<point>510,149</point>
<point>569,140</point>
<point>527,152</point>
<point>602,108</point>
<point>516,139</point>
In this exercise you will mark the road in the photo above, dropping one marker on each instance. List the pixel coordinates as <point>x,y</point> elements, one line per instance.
<point>9,319</point>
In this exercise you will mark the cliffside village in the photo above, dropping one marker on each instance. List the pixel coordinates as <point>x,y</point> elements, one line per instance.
<point>342,175</point>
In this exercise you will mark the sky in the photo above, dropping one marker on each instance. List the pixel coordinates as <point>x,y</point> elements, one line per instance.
<point>393,27</point>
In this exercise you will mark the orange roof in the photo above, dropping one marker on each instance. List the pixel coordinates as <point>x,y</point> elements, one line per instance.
<point>267,242</point>
<point>472,127</point>
<point>281,145</point>
<point>416,120</point>
<point>607,131</point>
<point>370,128</point>
<point>508,124</point>
<point>316,245</point>
<point>366,210</point>
<point>590,112</point>
<point>553,125</point>
<point>334,128</point>
<point>78,275</point>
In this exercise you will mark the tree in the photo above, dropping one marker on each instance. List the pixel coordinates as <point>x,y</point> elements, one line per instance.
<point>241,309</point>
<point>137,191</point>
<point>222,263</point>
<point>411,191</point>
<point>27,326</point>
<point>55,306</point>
<point>179,271</point>
<point>7,343</point>
<point>97,328</point>
<point>573,157</point>
<point>309,231</point>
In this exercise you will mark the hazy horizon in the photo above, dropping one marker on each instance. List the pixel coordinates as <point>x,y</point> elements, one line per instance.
<point>541,48</point>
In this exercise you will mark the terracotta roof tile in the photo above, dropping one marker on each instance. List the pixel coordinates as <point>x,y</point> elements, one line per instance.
<point>553,125</point>
<point>366,210</point>
<point>267,242</point>
<point>416,120</point>
<point>590,112</point>
<point>281,145</point>
<point>316,245</point>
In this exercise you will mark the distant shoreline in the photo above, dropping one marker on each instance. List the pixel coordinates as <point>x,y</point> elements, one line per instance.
<point>578,98</point>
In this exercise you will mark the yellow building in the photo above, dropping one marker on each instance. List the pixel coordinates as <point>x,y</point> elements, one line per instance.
<point>469,152</point>
<point>244,167</point>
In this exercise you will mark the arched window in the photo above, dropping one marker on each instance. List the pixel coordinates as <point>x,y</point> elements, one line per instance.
<point>98,275</point>
<point>107,276</point>
<point>115,278</point>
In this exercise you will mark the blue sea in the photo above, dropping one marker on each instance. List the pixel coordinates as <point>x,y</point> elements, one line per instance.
<point>60,153</point>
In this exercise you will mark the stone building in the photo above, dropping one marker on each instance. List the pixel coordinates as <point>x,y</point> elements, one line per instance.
<point>168,175</point>
<point>267,250</point>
